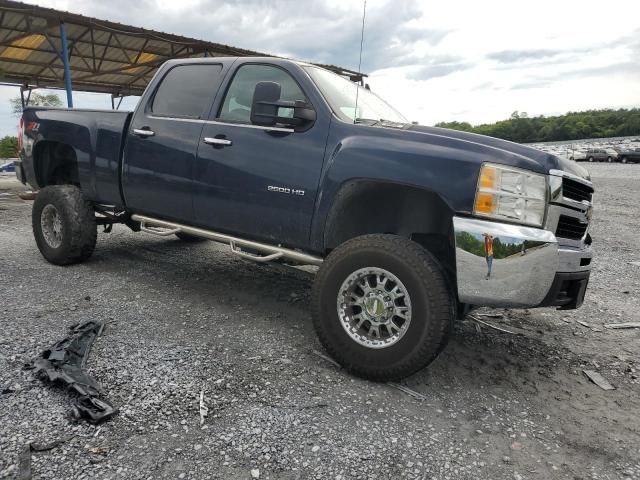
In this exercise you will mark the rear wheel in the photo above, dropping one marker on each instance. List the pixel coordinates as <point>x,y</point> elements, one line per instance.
<point>591,159</point>
<point>381,307</point>
<point>64,225</point>
<point>623,159</point>
<point>609,159</point>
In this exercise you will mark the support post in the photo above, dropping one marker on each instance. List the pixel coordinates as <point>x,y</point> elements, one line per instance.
<point>67,68</point>
<point>25,101</point>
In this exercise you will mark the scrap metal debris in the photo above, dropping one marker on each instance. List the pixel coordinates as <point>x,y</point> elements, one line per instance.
<point>486,324</point>
<point>104,451</point>
<point>599,380</point>
<point>328,359</point>
<point>490,315</point>
<point>407,390</point>
<point>64,363</point>
<point>24,459</point>
<point>204,410</point>
<point>622,325</point>
<point>586,325</point>
<point>28,195</point>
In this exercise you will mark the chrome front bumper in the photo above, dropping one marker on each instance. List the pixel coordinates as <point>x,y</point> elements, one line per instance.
<point>528,268</point>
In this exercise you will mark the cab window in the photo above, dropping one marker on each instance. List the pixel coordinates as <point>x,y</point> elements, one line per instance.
<point>185,91</point>
<point>236,107</point>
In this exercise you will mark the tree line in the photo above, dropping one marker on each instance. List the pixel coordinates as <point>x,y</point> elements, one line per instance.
<point>9,147</point>
<point>9,144</point>
<point>571,126</point>
<point>469,243</point>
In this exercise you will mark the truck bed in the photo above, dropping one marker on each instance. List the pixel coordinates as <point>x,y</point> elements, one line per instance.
<point>96,136</point>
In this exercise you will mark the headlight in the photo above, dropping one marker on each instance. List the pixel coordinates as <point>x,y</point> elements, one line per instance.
<point>511,194</point>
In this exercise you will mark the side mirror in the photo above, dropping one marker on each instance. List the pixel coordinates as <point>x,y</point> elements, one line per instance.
<point>264,110</point>
<point>268,110</point>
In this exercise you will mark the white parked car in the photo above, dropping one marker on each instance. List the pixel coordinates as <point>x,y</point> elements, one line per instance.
<point>612,155</point>
<point>577,155</point>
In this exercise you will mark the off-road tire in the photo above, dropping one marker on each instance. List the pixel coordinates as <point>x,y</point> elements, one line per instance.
<point>431,300</point>
<point>78,224</point>
<point>185,237</point>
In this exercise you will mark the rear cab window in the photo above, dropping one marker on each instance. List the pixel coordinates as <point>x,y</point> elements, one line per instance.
<point>186,91</point>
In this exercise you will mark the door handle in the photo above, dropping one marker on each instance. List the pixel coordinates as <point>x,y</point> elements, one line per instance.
<point>143,132</point>
<point>218,141</point>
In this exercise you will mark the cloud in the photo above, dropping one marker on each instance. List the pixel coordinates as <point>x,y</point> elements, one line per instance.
<point>629,69</point>
<point>514,56</point>
<point>432,60</point>
<point>318,31</point>
<point>438,70</point>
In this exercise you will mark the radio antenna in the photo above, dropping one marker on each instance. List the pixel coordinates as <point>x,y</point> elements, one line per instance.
<point>364,13</point>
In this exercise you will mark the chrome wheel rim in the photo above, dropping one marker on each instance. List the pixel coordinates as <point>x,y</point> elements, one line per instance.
<point>374,307</point>
<point>51,224</point>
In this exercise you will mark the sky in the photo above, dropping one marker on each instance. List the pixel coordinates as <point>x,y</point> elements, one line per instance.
<point>434,61</point>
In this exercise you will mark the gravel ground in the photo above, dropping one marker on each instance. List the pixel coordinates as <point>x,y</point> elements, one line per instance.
<point>186,318</point>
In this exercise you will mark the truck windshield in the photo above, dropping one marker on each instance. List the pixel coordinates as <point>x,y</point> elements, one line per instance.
<point>340,93</point>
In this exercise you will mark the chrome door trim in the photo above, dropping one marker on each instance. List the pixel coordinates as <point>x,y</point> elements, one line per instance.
<point>227,124</point>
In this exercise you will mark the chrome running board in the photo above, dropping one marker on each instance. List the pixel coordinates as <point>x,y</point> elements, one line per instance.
<point>272,252</point>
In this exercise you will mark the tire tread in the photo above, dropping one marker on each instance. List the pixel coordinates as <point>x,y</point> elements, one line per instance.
<point>426,267</point>
<point>84,233</point>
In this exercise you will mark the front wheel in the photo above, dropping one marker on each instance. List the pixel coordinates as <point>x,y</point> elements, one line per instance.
<point>609,159</point>
<point>64,225</point>
<point>381,307</point>
<point>624,160</point>
<point>591,159</point>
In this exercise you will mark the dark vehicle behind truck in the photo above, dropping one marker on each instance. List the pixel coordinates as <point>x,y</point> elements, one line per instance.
<point>629,155</point>
<point>410,226</point>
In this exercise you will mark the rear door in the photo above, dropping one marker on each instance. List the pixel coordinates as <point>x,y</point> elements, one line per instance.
<point>160,150</point>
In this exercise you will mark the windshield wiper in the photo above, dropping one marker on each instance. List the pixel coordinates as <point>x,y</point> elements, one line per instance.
<point>382,121</point>
<point>369,121</point>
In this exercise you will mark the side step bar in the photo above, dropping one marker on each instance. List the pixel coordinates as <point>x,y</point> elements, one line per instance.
<point>271,252</point>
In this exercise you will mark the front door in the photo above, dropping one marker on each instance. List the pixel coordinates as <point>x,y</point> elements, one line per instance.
<point>162,141</point>
<point>258,181</point>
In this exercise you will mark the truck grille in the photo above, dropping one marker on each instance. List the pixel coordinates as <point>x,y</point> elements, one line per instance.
<point>576,190</point>
<point>570,227</point>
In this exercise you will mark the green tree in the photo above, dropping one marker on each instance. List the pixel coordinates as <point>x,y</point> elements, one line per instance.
<point>9,147</point>
<point>519,127</point>
<point>36,100</point>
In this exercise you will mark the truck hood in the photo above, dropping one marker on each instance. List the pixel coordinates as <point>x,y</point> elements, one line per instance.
<point>510,153</point>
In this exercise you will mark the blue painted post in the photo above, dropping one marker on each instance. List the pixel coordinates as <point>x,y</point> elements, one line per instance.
<point>65,61</point>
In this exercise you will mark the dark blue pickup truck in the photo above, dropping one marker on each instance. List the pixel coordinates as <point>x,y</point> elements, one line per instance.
<point>410,226</point>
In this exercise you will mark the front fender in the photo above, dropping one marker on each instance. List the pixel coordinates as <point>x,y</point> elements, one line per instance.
<point>444,170</point>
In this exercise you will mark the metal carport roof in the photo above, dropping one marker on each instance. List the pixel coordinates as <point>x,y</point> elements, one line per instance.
<point>104,56</point>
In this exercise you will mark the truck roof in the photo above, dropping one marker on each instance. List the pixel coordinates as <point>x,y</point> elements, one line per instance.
<point>265,59</point>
